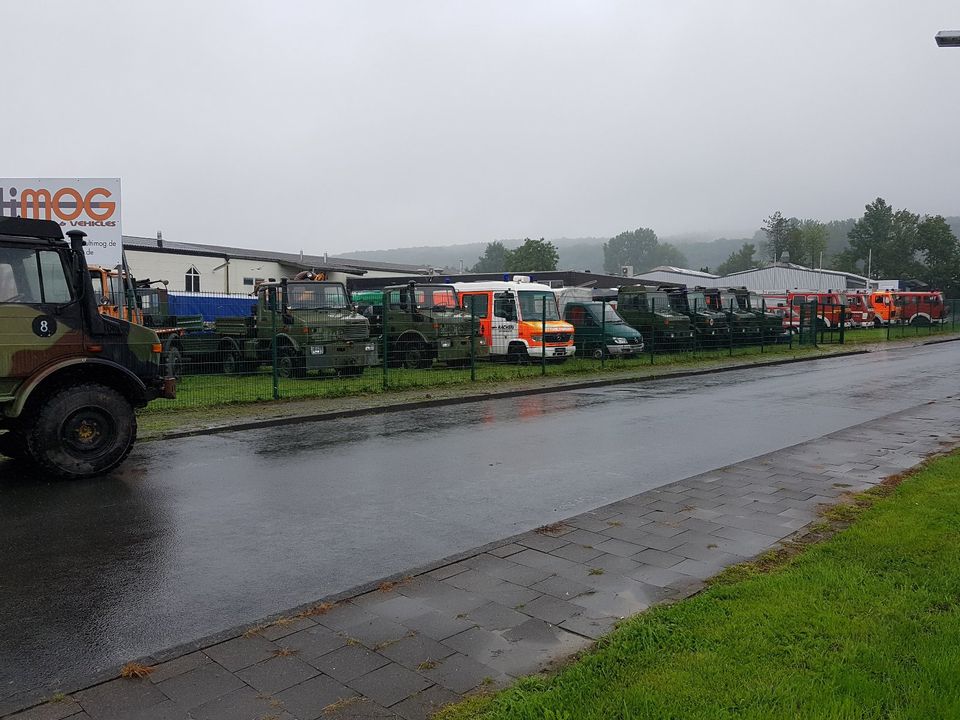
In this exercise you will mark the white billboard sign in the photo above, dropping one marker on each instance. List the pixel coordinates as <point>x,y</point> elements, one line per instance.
<point>91,205</point>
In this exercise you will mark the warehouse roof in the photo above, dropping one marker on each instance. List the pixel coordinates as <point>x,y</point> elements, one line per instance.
<point>325,262</point>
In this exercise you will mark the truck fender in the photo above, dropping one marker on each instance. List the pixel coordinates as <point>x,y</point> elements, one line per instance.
<point>285,340</point>
<point>117,376</point>
<point>413,335</point>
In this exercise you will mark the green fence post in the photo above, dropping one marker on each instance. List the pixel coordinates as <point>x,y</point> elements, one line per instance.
<point>653,328</point>
<point>273,349</point>
<point>543,336</point>
<point>763,323</point>
<point>790,326</point>
<point>473,338</point>
<point>603,333</point>
<point>731,327</point>
<point>383,338</point>
<point>843,322</point>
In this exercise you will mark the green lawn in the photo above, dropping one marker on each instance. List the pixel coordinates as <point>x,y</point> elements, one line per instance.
<point>864,625</point>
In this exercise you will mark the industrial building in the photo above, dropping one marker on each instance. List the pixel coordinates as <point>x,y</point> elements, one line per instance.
<point>193,267</point>
<point>775,277</point>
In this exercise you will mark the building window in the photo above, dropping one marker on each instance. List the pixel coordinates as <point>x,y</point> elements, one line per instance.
<point>191,280</point>
<point>248,281</point>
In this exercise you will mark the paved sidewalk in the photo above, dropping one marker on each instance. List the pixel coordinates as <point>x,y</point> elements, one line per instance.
<point>408,648</point>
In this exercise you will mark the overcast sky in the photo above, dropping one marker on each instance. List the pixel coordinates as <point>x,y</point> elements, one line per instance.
<point>337,126</point>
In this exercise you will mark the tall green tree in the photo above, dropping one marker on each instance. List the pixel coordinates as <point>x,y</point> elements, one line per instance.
<point>641,249</point>
<point>885,241</point>
<point>813,238</point>
<point>776,229</point>
<point>494,259</point>
<point>741,259</point>
<point>939,250</point>
<point>533,256</point>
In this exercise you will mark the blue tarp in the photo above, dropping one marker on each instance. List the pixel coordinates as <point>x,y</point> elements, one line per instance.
<point>210,305</point>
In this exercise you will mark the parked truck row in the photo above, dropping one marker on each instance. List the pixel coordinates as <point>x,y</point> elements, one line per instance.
<point>308,324</point>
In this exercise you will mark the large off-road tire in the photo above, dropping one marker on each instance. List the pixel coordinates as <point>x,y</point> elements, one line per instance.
<point>13,445</point>
<point>289,363</point>
<point>415,355</point>
<point>81,431</point>
<point>229,357</point>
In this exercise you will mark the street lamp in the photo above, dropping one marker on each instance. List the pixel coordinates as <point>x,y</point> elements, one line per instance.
<point>948,38</point>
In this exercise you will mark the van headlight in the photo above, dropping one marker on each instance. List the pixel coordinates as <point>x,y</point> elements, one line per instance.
<point>619,341</point>
<point>369,348</point>
<point>444,343</point>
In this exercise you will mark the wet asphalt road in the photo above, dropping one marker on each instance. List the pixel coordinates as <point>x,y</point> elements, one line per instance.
<point>194,536</point>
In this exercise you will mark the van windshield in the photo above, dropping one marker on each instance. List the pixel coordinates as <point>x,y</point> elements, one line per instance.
<point>608,316</point>
<point>532,304</point>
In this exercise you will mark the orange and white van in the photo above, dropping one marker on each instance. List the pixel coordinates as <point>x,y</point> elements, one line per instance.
<point>510,315</point>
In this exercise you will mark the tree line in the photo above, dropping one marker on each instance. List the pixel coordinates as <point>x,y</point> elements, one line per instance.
<point>885,243</point>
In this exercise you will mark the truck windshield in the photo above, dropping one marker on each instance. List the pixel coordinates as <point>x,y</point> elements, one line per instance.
<point>678,302</point>
<point>696,300</point>
<point>532,304</point>
<point>757,302</point>
<point>609,316</point>
<point>316,296</point>
<point>436,297</point>
<point>658,301</point>
<point>727,298</point>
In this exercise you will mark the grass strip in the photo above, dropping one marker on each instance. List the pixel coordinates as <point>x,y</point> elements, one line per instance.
<point>216,390</point>
<point>865,624</point>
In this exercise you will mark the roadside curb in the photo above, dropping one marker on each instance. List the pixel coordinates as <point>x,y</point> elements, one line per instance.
<point>504,394</point>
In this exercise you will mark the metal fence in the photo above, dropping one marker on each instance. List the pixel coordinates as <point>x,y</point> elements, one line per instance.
<point>292,343</point>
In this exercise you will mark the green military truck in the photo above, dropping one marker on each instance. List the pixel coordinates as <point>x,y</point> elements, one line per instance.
<point>745,326</point>
<point>70,378</point>
<point>710,326</point>
<point>424,323</point>
<point>648,310</point>
<point>599,331</point>
<point>305,324</point>
<point>770,323</point>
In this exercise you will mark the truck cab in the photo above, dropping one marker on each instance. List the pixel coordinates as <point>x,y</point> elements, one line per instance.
<point>745,326</point>
<point>599,331</point>
<point>305,324</point>
<point>648,310</point>
<point>424,323</point>
<point>709,325</point>
<point>519,319</point>
<point>70,378</point>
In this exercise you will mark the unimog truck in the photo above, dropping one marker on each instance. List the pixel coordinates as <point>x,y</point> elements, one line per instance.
<point>745,326</point>
<point>423,323</point>
<point>771,324</point>
<point>311,322</point>
<point>649,311</point>
<point>70,378</point>
<point>710,326</point>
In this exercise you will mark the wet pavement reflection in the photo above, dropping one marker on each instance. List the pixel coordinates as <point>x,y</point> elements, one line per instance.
<point>194,536</point>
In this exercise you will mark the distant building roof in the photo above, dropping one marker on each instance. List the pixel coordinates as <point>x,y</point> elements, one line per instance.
<point>794,266</point>
<point>675,271</point>
<point>320,262</point>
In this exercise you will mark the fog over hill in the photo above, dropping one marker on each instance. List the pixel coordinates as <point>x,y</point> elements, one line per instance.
<point>702,250</point>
